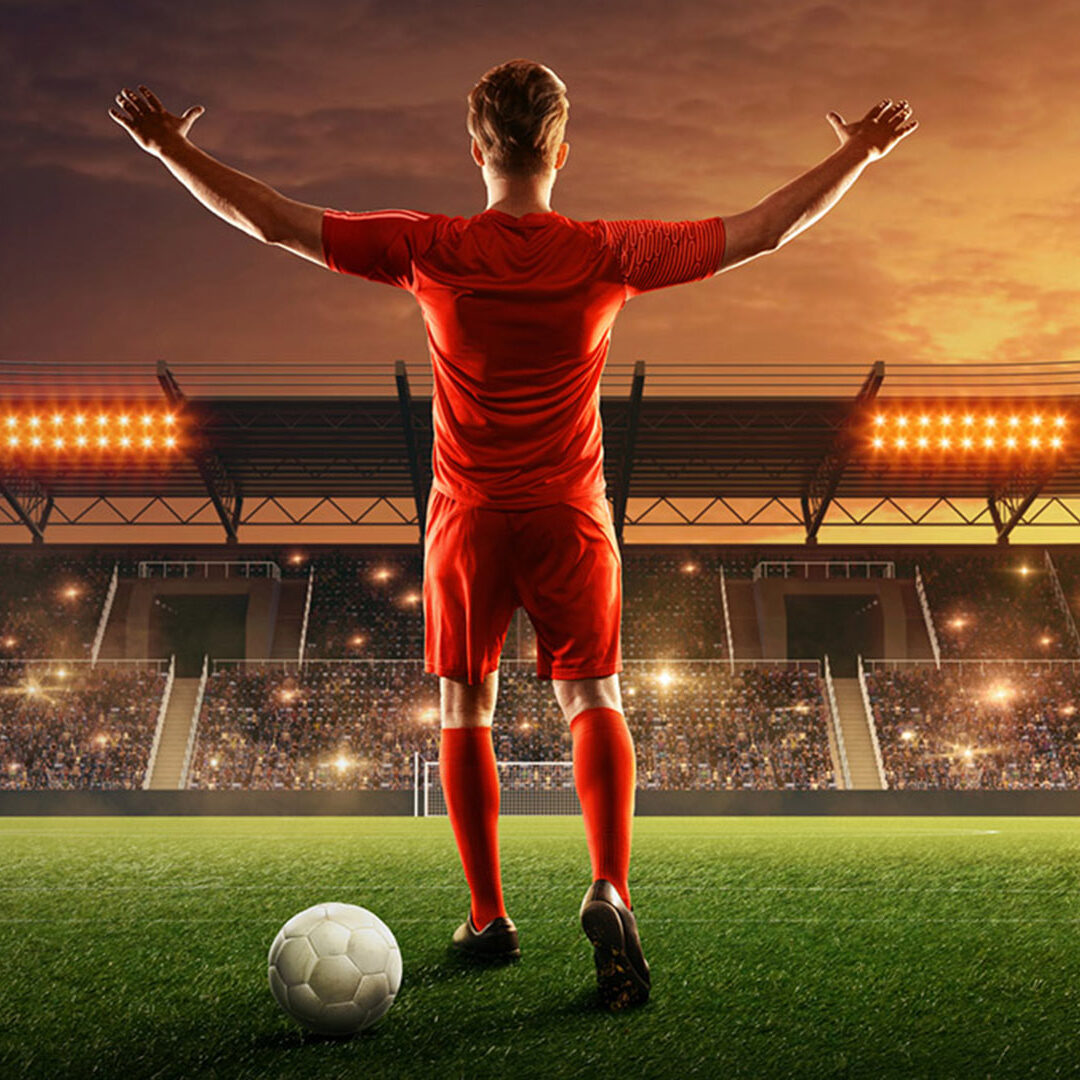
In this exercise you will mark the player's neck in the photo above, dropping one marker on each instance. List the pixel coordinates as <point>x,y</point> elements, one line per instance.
<point>518,198</point>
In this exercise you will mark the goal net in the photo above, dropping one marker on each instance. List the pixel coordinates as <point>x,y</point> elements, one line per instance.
<point>525,787</point>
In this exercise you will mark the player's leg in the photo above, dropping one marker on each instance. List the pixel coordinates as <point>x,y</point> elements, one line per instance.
<point>604,773</point>
<point>467,607</point>
<point>470,784</point>
<point>605,777</point>
<point>569,577</point>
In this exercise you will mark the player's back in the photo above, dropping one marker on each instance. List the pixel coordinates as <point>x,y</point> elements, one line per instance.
<point>519,312</point>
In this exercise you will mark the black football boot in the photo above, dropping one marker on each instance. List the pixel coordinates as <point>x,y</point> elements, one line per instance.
<point>622,974</point>
<point>497,941</point>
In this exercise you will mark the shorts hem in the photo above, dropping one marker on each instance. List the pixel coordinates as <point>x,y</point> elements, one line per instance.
<point>586,673</point>
<point>460,675</point>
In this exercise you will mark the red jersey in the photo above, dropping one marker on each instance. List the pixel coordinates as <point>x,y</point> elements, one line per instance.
<point>519,312</point>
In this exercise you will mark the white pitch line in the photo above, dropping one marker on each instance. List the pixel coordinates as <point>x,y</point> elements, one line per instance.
<point>718,922</point>
<point>1067,888</point>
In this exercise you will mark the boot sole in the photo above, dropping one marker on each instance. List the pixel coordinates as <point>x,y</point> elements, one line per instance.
<point>619,984</point>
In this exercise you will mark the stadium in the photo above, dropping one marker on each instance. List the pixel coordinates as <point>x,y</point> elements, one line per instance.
<point>493,587</point>
<point>825,732</point>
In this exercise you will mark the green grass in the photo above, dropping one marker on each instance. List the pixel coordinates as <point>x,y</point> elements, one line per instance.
<point>780,947</point>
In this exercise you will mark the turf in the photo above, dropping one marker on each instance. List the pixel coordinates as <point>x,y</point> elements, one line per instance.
<point>780,947</point>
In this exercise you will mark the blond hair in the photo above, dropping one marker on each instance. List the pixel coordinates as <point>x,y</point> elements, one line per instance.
<point>517,115</point>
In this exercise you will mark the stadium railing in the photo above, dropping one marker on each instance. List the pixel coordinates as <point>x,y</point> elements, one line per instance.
<point>838,731</point>
<point>106,608</point>
<point>727,619</point>
<point>160,664</point>
<point>928,618</point>
<point>166,694</point>
<point>801,568</point>
<point>1062,603</point>
<point>307,614</point>
<point>887,664</point>
<point>268,569</point>
<point>196,712</point>
<point>871,723</point>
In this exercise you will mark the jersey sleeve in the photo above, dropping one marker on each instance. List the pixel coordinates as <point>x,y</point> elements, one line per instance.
<point>375,244</point>
<point>656,254</point>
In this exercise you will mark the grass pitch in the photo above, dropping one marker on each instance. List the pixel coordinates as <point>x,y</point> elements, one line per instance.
<point>780,947</point>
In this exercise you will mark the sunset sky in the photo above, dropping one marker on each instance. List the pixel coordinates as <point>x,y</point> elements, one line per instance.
<point>960,246</point>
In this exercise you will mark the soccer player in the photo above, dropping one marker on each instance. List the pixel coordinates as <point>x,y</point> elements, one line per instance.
<point>519,302</point>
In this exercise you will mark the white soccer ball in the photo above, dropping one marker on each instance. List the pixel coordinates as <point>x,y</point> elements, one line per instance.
<point>336,968</point>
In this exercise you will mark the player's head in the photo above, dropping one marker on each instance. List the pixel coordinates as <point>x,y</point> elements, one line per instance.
<point>517,118</point>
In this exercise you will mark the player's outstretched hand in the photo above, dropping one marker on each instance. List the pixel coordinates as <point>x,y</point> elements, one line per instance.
<point>148,122</point>
<point>880,129</point>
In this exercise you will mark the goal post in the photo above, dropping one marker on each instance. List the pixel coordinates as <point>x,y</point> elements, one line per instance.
<point>525,787</point>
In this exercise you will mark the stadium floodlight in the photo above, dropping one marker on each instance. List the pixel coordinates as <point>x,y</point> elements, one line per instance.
<point>951,431</point>
<point>68,430</point>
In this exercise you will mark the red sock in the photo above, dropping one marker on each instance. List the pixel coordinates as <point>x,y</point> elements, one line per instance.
<point>470,783</point>
<point>605,774</point>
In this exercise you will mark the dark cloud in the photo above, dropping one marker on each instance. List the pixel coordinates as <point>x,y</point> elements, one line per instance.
<point>958,245</point>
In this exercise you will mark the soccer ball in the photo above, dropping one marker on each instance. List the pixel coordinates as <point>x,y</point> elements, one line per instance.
<point>336,968</point>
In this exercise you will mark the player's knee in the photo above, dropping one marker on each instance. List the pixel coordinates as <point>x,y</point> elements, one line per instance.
<point>576,695</point>
<point>464,704</point>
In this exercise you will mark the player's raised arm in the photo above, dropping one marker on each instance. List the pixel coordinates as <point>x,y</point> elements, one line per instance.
<point>250,205</point>
<point>797,205</point>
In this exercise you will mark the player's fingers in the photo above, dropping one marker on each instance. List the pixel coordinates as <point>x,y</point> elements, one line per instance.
<point>907,128</point>
<point>152,98</point>
<point>136,103</point>
<point>878,109</point>
<point>129,109</point>
<point>120,117</point>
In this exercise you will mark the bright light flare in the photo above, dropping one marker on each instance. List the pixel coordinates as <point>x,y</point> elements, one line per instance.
<point>68,431</point>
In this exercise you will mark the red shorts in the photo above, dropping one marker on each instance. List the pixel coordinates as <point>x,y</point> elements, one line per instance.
<point>560,562</point>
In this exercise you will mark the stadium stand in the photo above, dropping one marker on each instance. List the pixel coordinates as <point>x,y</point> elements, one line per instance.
<point>50,602</point>
<point>72,726</point>
<point>978,725</point>
<point>358,725</point>
<point>993,606</point>
<point>696,726</point>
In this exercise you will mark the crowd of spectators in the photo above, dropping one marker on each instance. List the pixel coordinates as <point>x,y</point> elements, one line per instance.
<point>978,725</point>
<point>1068,568</point>
<point>359,725</point>
<point>672,607</point>
<point>700,726</point>
<point>371,605</point>
<point>994,606</point>
<point>76,726</point>
<point>50,602</point>
<point>366,605</point>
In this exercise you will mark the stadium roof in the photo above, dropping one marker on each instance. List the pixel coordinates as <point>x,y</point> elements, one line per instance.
<point>810,447</point>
